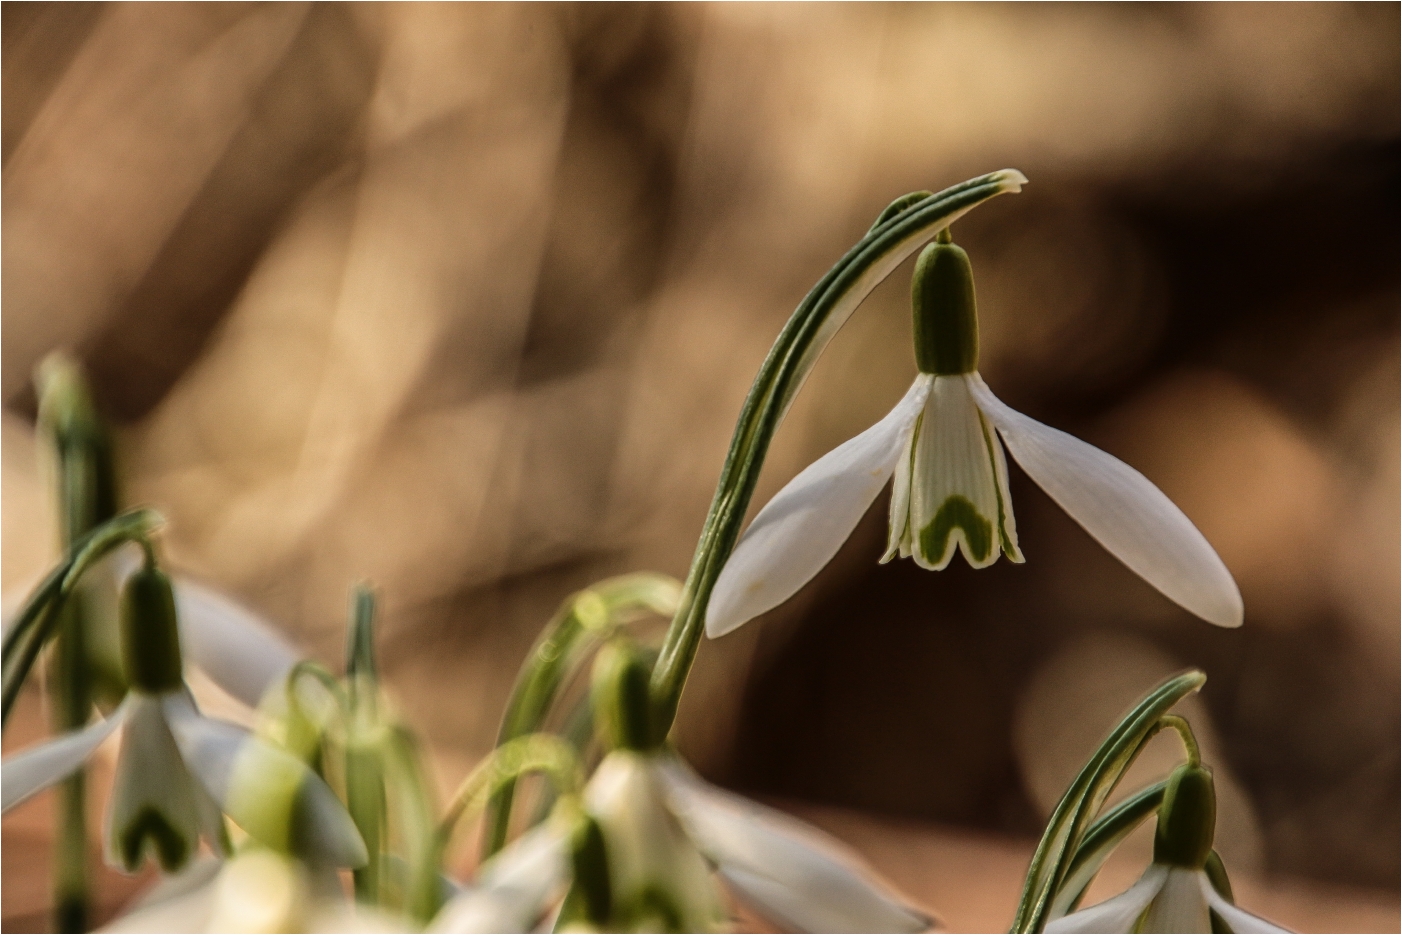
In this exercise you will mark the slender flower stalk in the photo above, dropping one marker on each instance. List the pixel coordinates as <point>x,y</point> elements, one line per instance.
<point>87,497</point>
<point>900,230</point>
<point>943,444</point>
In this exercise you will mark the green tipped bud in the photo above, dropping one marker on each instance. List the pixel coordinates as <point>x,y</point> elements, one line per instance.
<point>946,315</point>
<point>87,474</point>
<point>1187,819</point>
<point>620,698</point>
<point>150,636</point>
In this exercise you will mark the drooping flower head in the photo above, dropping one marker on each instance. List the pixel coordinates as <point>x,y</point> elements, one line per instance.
<point>178,772</point>
<point>943,444</point>
<point>642,847</point>
<point>1177,893</point>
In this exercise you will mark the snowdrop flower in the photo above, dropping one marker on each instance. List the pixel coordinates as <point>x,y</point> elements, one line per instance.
<point>664,830</point>
<point>944,443</point>
<point>663,834</point>
<point>177,770</point>
<point>1175,894</point>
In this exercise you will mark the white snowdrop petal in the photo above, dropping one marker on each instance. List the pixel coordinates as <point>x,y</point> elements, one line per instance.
<point>38,767</point>
<point>1126,513</point>
<point>153,811</point>
<point>239,650</point>
<point>898,529</point>
<point>648,848</point>
<point>266,791</point>
<point>1180,905</point>
<point>954,486</point>
<point>1117,914</point>
<point>188,912</point>
<point>1240,921</point>
<point>801,529</point>
<point>791,872</point>
<point>513,889</point>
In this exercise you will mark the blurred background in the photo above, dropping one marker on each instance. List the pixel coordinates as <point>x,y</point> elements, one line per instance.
<point>464,299</point>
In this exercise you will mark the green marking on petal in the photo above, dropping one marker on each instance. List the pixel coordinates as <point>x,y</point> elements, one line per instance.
<point>171,847</point>
<point>957,512</point>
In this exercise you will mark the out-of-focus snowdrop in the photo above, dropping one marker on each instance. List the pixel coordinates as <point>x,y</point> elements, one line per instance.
<point>646,844</point>
<point>257,890</point>
<point>177,770</point>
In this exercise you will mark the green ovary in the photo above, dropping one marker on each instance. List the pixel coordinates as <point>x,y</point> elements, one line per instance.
<point>957,512</point>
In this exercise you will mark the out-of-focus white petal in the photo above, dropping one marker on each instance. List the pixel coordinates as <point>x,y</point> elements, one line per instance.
<point>266,791</point>
<point>153,810</point>
<point>189,912</point>
<point>177,903</point>
<point>239,650</point>
<point>649,852</point>
<point>40,766</point>
<point>1180,905</point>
<point>1241,921</point>
<point>513,889</point>
<point>793,873</point>
<point>260,891</point>
<point>801,529</point>
<point>1118,913</point>
<point>1126,513</point>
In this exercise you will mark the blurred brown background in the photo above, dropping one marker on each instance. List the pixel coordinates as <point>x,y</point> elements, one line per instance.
<point>463,299</point>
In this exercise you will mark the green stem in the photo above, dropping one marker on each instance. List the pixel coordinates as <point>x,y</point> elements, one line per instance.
<point>533,753</point>
<point>72,706</point>
<point>817,318</point>
<point>581,622</point>
<point>1185,733</point>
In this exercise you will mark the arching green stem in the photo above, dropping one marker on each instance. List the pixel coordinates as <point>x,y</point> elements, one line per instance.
<point>533,753</point>
<point>39,617</point>
<point>582,622</point>
<point>1051,863</point>
<point>901,229</point>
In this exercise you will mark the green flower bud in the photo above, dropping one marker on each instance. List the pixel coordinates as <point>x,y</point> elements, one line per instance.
<point>150,636</point>
<point>87,475</point>
<point>620,697</point>
<point>1187,819</point>
<point>946,315</point>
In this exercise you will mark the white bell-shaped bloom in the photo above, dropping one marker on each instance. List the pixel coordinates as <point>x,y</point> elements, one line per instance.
<point>943,443</point>
<point>255,891</point>
<point>1166,899</point>
<point>665,830</point>
<point>178,770</point>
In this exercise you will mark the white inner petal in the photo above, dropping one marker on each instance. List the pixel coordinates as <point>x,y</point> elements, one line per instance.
<point>898,536</point>
<point>954,487</point>
<point>153,808</point>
